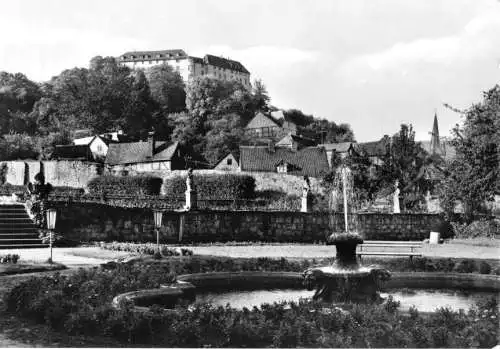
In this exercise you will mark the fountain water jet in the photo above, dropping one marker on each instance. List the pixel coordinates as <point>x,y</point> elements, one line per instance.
<point>345,280</point>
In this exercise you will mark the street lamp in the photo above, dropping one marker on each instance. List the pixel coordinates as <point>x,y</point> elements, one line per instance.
<point>158,216</point>
<point>51,225</point>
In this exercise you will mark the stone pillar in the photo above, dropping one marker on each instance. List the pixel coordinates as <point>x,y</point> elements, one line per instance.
<point>190,200</point>
<point>190,192</point>
<point>304,207</point>
<point>305,195</point>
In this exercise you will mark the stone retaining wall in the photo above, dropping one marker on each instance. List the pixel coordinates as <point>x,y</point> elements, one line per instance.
<point>95,222</point>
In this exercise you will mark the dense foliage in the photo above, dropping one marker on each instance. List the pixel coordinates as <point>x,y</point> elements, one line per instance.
<point>80,304</point>
<point>489,228</point>
<point>207,117</point>
<point>127,185</point>
<point>473,177</point>
<point>214,186</point>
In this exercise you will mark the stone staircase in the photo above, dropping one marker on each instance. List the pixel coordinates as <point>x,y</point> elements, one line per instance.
<point>17,230</point>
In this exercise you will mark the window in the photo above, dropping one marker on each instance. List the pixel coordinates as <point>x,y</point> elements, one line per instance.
<point>282,168</point>
<point>229,161</point>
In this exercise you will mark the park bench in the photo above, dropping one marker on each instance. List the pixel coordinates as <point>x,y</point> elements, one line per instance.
<point>390,248</point>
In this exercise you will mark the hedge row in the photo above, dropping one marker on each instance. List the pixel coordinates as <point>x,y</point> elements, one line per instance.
<point>134,185</point>
<point>214,186</point>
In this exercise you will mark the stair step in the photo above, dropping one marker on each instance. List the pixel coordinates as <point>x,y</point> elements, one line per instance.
<point>24,246</point>
<point>20,239</point>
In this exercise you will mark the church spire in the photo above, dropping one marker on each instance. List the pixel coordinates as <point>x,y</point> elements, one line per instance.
<point>435,146</point>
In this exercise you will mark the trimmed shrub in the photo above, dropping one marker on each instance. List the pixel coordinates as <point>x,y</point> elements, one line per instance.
<point>214,186</point>
<point>489,228</point>
<point>136,185</point>
<point>10,258</point>
<point>68,191</point>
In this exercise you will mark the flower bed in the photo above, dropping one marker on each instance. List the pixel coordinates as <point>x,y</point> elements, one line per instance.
<point>79,304</point>
<point>145,248</point>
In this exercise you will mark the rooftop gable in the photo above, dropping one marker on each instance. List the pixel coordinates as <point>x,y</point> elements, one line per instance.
<point>260,120</point>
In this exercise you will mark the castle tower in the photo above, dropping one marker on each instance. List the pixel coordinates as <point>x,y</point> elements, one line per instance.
<point>435,146</point>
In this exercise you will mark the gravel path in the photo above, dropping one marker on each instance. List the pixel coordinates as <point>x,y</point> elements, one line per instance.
<point>322,251</point>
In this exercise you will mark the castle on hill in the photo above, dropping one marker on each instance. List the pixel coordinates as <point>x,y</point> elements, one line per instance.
<point>188,66</point>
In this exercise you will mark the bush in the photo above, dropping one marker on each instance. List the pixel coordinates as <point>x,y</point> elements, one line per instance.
<point>136,185</point>
<point>489,228</point>
<point>9,258</point>
<point>214,186</point>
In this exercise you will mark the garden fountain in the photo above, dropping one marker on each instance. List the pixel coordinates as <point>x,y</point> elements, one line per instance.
<point>345,279</point>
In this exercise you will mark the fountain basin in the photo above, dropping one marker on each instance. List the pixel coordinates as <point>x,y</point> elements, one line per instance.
<point>284,284</point>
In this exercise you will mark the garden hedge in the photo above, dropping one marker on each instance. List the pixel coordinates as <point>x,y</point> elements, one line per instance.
<point>214,186</point>
<point>134,185</point>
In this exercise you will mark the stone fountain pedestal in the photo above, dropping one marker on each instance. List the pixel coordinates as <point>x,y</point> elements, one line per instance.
<point>345,280</point>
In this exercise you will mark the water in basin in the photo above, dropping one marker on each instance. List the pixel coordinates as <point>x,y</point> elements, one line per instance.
<point>423,300</point>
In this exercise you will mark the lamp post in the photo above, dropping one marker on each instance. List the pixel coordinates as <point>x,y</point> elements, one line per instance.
<point>51,224</point>
<point>158,216</point>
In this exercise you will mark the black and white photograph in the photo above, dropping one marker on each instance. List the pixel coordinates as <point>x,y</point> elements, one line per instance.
<point>250,174</point>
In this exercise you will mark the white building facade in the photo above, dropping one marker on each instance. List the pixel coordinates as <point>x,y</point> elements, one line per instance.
<point>188,67</point>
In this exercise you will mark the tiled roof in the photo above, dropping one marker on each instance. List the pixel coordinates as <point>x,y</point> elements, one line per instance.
<point>80,152</point>
<point>376,148</point>
<point>338,147</point>
<point>138,152</point>
<point>225,63</point>
<point>312,161</point>
<point>152,55</point>
<point>261,120</point>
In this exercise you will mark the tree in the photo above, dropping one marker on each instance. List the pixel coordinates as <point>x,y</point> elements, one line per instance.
<point>17,146</point>
<point>260,96</point>
<point>18,94</point>
<point>224,137</point>
<point>167,88</point>
<point>405,162</point>
<point>140,106</point>
<point>474,176</point>
<point>330,132</point>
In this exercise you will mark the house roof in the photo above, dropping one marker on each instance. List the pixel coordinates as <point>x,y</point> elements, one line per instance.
<point>225,157</point>
<point>338,147</point>
<point>310,161</point>
<point>89,140</point>
<point>152,55</point>
<point>225,63</point>
<point>80,152</point>
<point>138,152</point>
<point>261,120</point>
<point>376,148</point>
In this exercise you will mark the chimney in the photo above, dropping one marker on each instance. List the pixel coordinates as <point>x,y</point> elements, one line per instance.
<point>270,146</point>
<point>151,144</point>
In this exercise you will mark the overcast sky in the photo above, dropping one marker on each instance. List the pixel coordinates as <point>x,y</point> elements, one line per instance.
<point>372,64</point>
